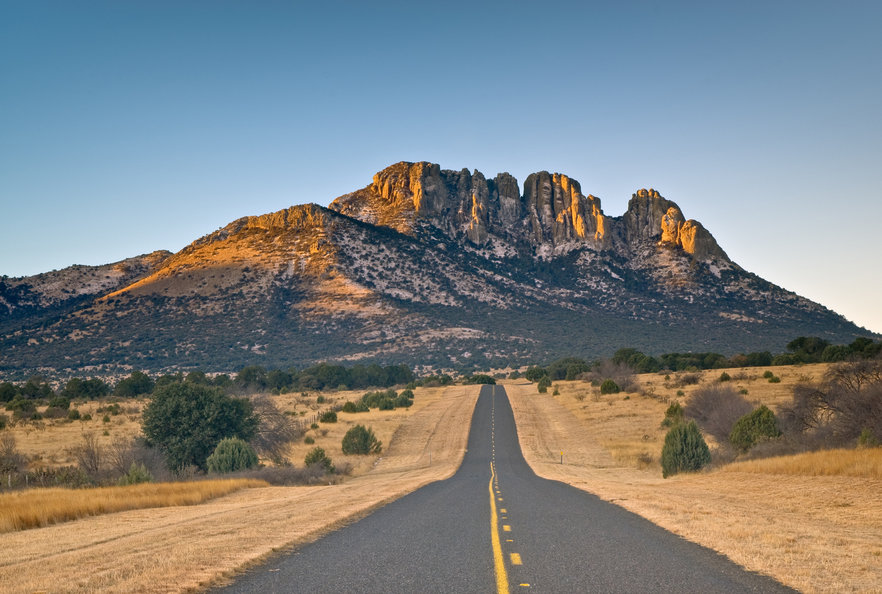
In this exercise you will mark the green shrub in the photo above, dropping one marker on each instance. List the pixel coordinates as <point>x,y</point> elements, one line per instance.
<point>362,407</point>
<point>387,404</point>
<point>308,440</point>
<point>768,374</point>
<point>320,399</point>
<point>74,415</point>
<point>314,426</point>
<point>544,382</point>
<point>188,421</point>
<point>106,419</point>
<point>534,374</point>
<point>20,405</point>
<point>59,402</point>
<point>4,420</point>
<point>86,417</point>
<point>317,456</point>
<point>685,450</point>
<point>866,439</point>
<point>328,417</point>
<point>725,377</point>
<point>361,440</point>
<point>774,380</point>
<point>609,387</point>
<point>230,455</point>
<point>752,427</point>
<point>480,378</point>
<point>375,399</point>
<point>402,401</point>
<point>137,473</point>
<point>556,392</point>
<point>674,415</point>
<point>349,407</point>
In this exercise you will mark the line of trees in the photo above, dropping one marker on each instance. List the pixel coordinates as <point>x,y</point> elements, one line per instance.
<point>805,349</point>
<point>250,379</point>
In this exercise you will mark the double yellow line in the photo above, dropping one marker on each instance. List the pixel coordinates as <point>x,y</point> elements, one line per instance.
<point>498,560</point>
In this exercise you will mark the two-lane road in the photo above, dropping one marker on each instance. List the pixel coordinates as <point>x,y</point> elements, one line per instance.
<point>497,527</point>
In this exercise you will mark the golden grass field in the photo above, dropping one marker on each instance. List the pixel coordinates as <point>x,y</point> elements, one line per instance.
<point>813,521</point>
<point>174,549</point>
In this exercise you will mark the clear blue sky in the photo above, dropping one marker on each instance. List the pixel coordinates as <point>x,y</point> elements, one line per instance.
<point>127,127</point>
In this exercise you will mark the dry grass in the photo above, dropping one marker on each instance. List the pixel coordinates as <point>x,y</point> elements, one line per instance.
<point>178,549</point>
<point>48,443</point>
<point>42,507</point>
<point>866,463</point>
<point>811,521</point>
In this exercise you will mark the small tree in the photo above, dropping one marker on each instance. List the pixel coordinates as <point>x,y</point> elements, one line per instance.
<point>188,421</point>
<point>609,387</point>
<point>89,454</point>
<point>674,415</point>
<point>544,383</point>
<point>230,455</point>
<point>328,417</point>
<point>534,374</point>
<point>11,460</point>
<point>361,440</point>
<point>752,427</point>
<point>137,473</point>
<point>136,384</point>
<point>275,430</point>
<point>317,456</point>
<point>685,450</point>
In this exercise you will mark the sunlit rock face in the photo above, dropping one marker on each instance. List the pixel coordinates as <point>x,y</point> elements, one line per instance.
<point>552,216</point>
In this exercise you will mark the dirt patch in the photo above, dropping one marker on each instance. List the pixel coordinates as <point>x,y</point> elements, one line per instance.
<point>178,549</point>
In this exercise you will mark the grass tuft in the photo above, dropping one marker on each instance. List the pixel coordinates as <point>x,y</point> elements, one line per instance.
<point>862,463</point>
<point>40,507</point>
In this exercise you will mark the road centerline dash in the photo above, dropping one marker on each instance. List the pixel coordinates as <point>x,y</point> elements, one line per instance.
<point>498,559</point>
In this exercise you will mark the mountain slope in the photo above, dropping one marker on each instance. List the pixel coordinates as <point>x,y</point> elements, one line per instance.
<point>423,266</point>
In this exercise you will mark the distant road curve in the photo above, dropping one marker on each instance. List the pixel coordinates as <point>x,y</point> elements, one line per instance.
<point>497,527</point>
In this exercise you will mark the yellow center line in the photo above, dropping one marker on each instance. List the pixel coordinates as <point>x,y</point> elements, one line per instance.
<point>498,560</point>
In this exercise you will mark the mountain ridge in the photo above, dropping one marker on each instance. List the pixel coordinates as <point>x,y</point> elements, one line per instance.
<point>422,266</point>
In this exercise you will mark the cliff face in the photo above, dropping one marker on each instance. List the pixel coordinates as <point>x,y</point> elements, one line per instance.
<point>552,216</point>
<point>424,266</point>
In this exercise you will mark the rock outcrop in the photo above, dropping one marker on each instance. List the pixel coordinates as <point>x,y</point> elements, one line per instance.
<point>552,216</point>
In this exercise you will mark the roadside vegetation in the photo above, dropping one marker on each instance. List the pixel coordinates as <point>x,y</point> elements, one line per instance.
<point>188,429</point>
<point>838,407</point>
<point>41,507</point>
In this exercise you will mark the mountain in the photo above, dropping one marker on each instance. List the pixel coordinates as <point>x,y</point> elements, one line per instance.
<point>425,266</point>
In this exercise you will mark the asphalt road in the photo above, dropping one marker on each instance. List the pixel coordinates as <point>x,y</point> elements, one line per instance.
<point>497,527</point>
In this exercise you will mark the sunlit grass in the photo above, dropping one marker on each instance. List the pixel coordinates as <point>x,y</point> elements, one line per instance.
<point>862,463</point>
<point>41,507</point>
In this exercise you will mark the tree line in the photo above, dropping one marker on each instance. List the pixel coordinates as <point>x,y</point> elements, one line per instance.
<point>250,379</point>
<point>805,349</point>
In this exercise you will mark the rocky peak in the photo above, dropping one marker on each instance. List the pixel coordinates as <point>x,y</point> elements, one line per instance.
<point>652,218</point>
<point>551,216</point>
